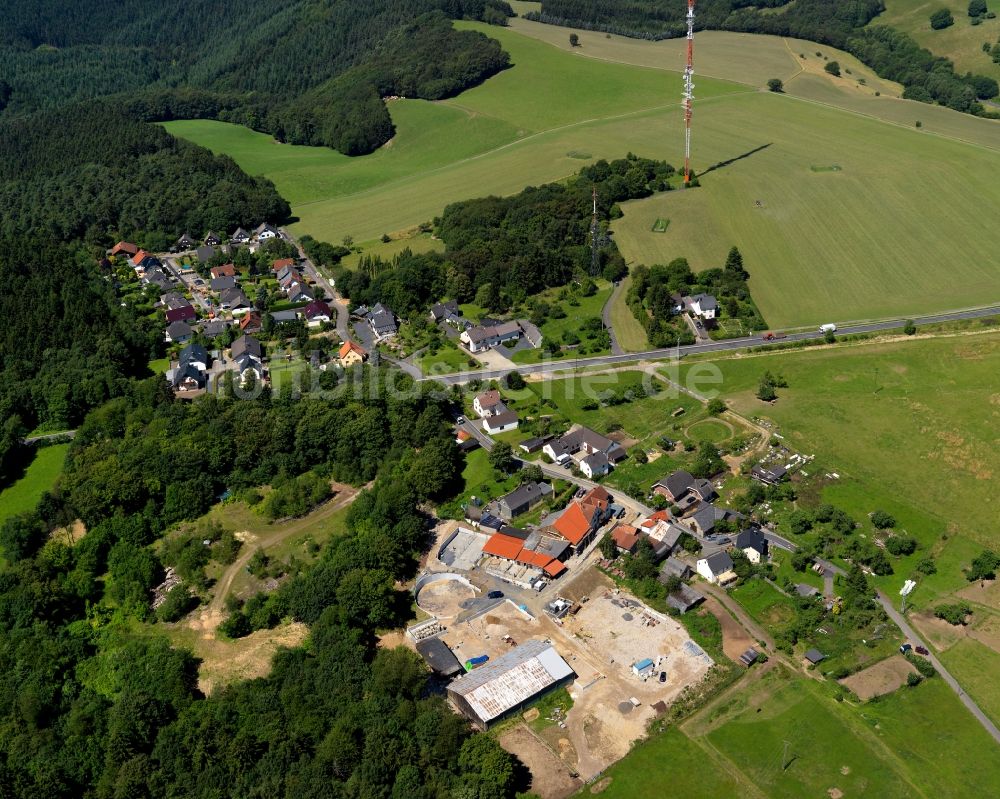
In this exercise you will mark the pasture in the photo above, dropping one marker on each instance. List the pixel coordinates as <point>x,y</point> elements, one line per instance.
<point>914,742</point>
<point>41,474</point>
<point>910,426</point>
<point>961,42</point>
<point>855,243</point>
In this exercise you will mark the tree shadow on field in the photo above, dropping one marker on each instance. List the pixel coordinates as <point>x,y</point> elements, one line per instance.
<point>722,164</point>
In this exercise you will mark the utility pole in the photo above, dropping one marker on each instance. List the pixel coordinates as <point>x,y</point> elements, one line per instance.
<point>688,92</point>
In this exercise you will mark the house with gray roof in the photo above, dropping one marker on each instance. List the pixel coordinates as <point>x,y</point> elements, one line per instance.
<point>585,440</point>
<point>382,322</point>
<point>717,568</point>
<point>521,500</point>
<point>684,489</point>
<point>178,332</point>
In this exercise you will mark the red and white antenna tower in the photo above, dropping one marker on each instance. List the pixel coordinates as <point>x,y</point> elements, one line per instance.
<point>688,93</point>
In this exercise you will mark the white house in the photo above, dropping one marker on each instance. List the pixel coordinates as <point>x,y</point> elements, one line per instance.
<point>595,465</point>
<point>265,232</point>
<point>482,337</point>
<point>716,568</point>
<point>500,423</point>
<point>488,403</point>
<point>753,544</point>
<point>704,305</point>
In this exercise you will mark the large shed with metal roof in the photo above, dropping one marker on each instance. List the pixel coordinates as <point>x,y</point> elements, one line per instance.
<point>510,682</point>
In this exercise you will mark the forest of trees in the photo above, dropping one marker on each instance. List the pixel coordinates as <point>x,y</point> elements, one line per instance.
<point>891,53</point>
<point>501,250</point>
<point>305,71</point>
<point>89,708</point>
<point>91,172</point>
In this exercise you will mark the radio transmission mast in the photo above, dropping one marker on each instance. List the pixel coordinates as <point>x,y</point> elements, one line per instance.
<point>688,92</point>
<point>595,231</point>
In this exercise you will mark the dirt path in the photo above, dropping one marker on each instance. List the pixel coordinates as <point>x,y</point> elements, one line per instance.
<point>214,611</point>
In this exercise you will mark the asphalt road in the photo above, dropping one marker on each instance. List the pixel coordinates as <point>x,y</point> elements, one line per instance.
<point>728,345</point>
<point>911,635</point>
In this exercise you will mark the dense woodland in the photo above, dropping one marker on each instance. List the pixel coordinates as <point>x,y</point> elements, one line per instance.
<point>306,71</point>
<point>90,172</point>
<point>66,345</point>
<point>91,708</point>
<point>501,250</point>
<point>891,53</point>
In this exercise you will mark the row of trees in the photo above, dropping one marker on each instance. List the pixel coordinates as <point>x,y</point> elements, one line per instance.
<point>890,52</point>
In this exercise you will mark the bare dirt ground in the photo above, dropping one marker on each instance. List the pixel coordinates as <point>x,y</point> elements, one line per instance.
<point>225,662</point>
<point>444,598</point>
<point>550,777</point>
<point>735,640</point>
<point>882,678</point>
<point>71,535</point>
<point>941,635</point>
<point>986,593</point>
<point>601,645</point>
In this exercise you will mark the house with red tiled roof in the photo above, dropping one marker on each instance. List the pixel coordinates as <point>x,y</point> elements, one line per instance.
<point>126,248</point>
<point>531,549</point>
<point>351,354</point>
<point>582,518</point>
<point>626,538</point>
<point>225,270</point>
<point>281,263</point>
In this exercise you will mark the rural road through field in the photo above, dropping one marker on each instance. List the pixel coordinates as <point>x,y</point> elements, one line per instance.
<point>728,345</point>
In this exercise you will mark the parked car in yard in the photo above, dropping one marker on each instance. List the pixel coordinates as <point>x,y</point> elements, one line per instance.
<point>495,595</point>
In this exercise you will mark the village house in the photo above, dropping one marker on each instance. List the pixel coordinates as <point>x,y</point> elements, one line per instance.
<point>220,284</point>
<point>251,322</point>
<point>191,367</point>
<point>214,327</point>
<point>172,299</point>
<point>542,554</point>
<point>707,516</point>
<point>205,253</point>
<point>488,403</point>
<point>521,500</point>
<point>442,311</point>
<point>753,544</point>
<point>182,313</point>
<point>586,441</point>
<point>247,358</point>
<point>684,490</point>
<point>264,232</point>
<point>703,305</point>
<point>212,240</point>
<point>185,242</point>
<point>717,568</point>
<point>125,249</point>
<point>240,236</point>
<point>674,567</point>
<point>351,354</point>
<point>483,337</point>
<point>234,300</point>
<point>500,422</point>
<point>281,264</point>
<point>224,270</point>
<point>582,518</point>
<point>382,322</point>
<point>596,465</point>
<point>769,475</point>
<point>626,538</point>
<point>316,313</point>
<point>178,332</point>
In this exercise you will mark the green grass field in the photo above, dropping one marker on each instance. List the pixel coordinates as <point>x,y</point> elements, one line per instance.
<point>852,244</point>
<point>910,427</point>
<point>39,477</point>
<point>961,42</point>
<point>916,742</point>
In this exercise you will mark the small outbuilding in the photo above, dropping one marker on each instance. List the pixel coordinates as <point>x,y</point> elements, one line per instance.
<point>439,657</point>
<point>814,656</point>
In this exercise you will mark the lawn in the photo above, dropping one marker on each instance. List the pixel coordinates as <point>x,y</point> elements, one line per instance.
<point>40,476</point>
<point>961,42</point>
<point>864,231</point>
<point>909,426</point>
<point>576,309</point>
<point>159,366</point>
<point>668,759</point>
<point>478,480</point>
<point>449,358</point>
<point>628,330</point>
<point>976,667</point>
<point>921,746</point>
